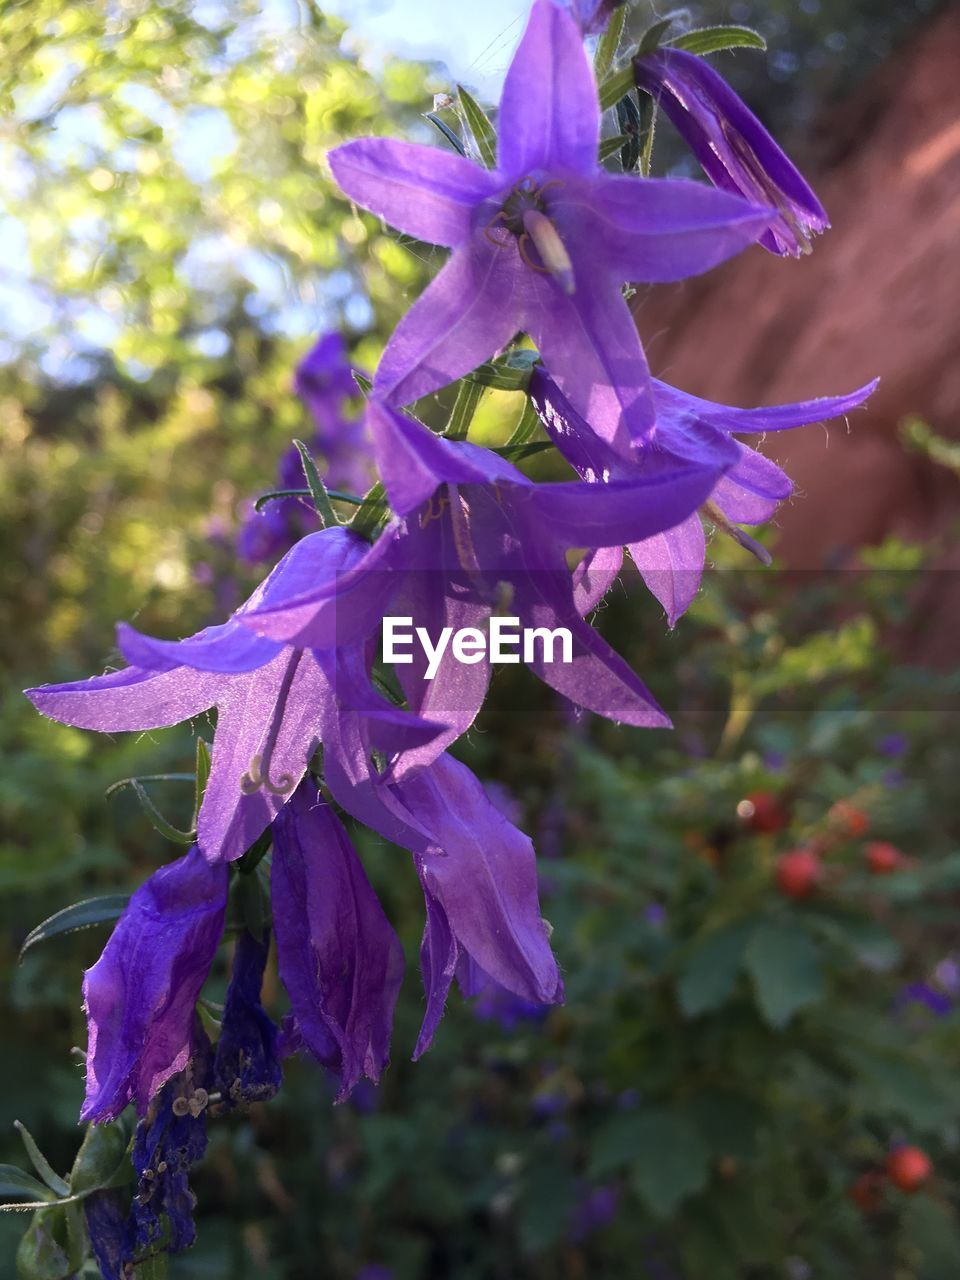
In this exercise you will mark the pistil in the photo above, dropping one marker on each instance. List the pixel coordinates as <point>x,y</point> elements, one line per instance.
<point>552,250</point>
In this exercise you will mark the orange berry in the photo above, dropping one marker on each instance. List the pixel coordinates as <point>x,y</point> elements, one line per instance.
<point>909,1168</point>
<point>798,873</point>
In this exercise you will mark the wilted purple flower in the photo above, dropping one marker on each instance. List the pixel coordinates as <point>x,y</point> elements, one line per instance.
<point>543,242</point>
<point>270,697</point>
<point>106,1217</point>
<point>246,1064</point>
<point>140,995</point>
<point>340,960</point>
<point>671,559</point>
<point>170,1138</point>
<point>735,150</point>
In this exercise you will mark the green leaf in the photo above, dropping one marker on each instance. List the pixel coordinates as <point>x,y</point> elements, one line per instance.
<point>157,820</point>
<point>544,1207</point>
<point>650,40</point>
<point>617,86</point>
<point>43,1251</point>
<point>468,399</point>
<point>784,963</point>
<point>526,428</point>
<point>610,146</point>
<point>447,132</point>
<point>102,1159</point>
<point>204,763</point>
<point>15,1182</point>
<point>710,973</point>
<point>705,40</point>
<point>318,491</point>
<point>40,1161</point>
<point>81,915</point>
<point>154,1268</point>
<point>671,1162</point>
<point>369,515</point>
<point>608,43</point>
<point>630,124</point>
<point>510,374</point>
<point>478,122</point>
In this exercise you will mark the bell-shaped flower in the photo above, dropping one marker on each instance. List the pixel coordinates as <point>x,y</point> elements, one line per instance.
<point>140,995</point>
<point>269,696</point>
<point>481,539</point>
<point>671,560</point>
<point>734,149</point>
<point>340,960</point>
<point>543,242</point>
<point>592,15</point>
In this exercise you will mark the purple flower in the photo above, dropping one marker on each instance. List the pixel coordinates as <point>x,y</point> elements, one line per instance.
<point>735,150</point>
<point>542,243</point>
<point>340,960</point>
<point>671,559</point>
<point>596,1208</point>
<point>270,697</point>
<point>591,15</point>
<point>140,995</point>
<point>922,993</point>
<point>894,745</point>
<point>105,1213</point>
<point>246,1065</point>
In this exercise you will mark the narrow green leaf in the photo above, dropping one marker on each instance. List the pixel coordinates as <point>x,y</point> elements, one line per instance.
<point>80,915</point>
<point>650,39</point>
<point>517,452</point>
<point>362,381</point>
<point>465,406</point>
<point>526,428</point>
<point>610,146</point>
<point>478,122</point>
<point>318,491</point>
<point>40,1162</point>
<point>608,43</point>
<point>276,494</point>
<point>15,1182</point>
<point>204,763</point>
<point>447,132</point>
<point>158,821</point>
<point>630,123</point>
<point>616,86</point>
<point>784,964</point>
<point>648,116</point>
<point>712,39</point>
<point>509,374</point>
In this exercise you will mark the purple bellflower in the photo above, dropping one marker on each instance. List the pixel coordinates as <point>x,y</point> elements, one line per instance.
<point>671,560</point>
<point>734,149</point>
<point>246,1064</point>
<point>543,242</point>
<point>592,15</point>
<point>270,696</point>
<point>479,538</point>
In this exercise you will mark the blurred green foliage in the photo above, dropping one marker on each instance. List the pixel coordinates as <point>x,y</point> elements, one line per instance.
<point>729,1061</point>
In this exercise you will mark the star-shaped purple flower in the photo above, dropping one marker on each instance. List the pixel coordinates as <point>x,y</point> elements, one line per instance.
<point>543,242</point>
<point>671,560</point>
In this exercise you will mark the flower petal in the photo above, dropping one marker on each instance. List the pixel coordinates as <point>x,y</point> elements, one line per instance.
<point>340,960</point>
<point>422,191</point>
<point>466,314</point>
<point>128,700</point>
<point>549,111</point>
<point>777,417</point>
<point>752,490</point>
<point>671,564</point>
<point>246,1064</point>
<point>140,995</point>
<point>594,576</point>
<point>658,229</point>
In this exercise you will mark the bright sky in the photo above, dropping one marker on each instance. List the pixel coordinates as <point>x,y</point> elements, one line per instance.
<point>474,39</point>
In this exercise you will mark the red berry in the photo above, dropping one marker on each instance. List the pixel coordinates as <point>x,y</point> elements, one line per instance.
<point>763,812</point>
<point>798,873</point>
<point>883,858</point>
<point>850,820</point>
<point>908,1168</point>
<point>867,1192</point>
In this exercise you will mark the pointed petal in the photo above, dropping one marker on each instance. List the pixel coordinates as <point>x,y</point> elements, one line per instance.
<point>340,960</point>
<point>140,995</point>
<point>422,191</point>
<point>129,700</point>
<point>777,417</point>
<point>463,317</point>
<point>485,880</point>
<point>671,564</point>
<point>594,576</point>
<point>227,648</point>
<point>752,490</point>
<point>658,229</point>
<point>549,112</point>
<point>591,349</point>
<point>438,964</point>
<point>230,818</point>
